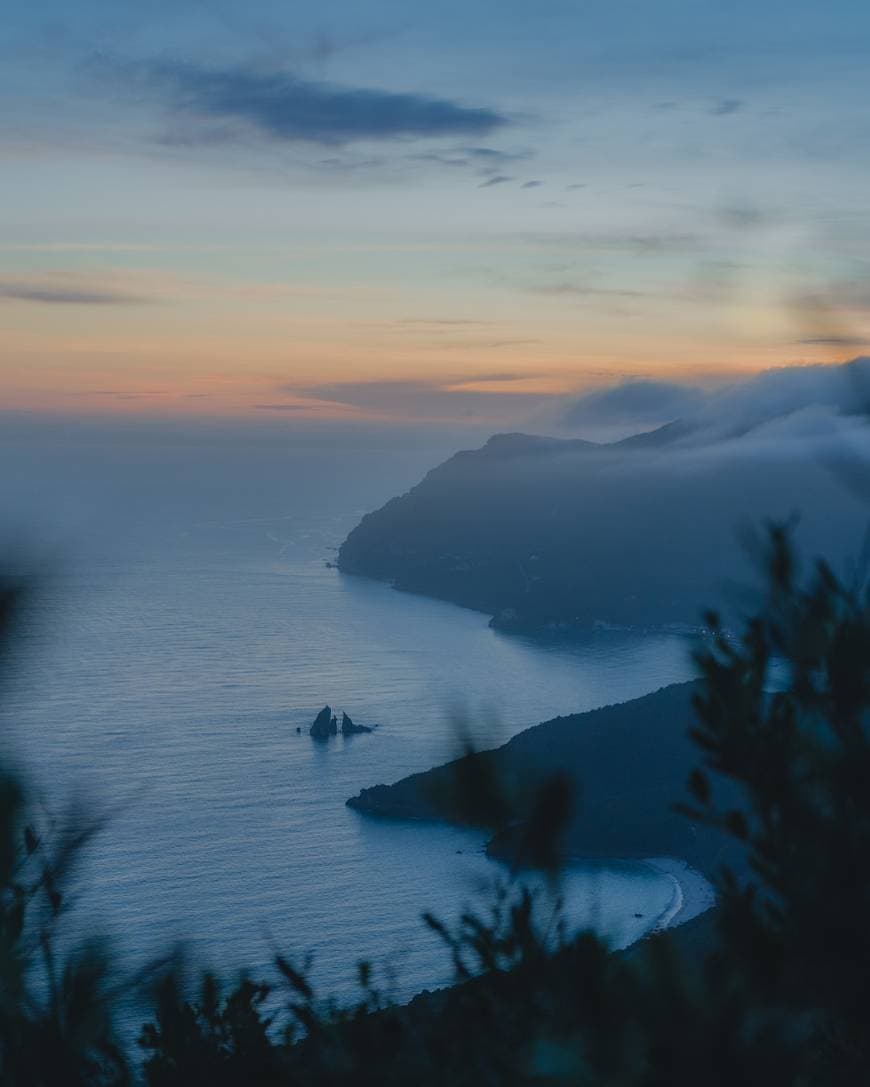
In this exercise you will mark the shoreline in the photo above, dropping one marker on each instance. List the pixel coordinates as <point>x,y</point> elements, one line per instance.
<point>693,892</point>
<point>542,630</point>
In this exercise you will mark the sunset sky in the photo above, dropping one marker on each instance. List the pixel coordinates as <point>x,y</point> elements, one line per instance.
<point>373,209</point>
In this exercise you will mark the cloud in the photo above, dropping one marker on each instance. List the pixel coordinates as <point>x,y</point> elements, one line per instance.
<point>486,162</point>
<point>786,393</point>
<point>366,394</point>
<point>448,321</point>
<point>48,293</point>
<point>640,242</point>
<point>499,179</point>
<point>463,397</point>
<point>532,184</point>
<point>285,108</point>
<point>835,341</point>
<point>480,379</point>
<point>493,155</point>
<point>726,106</point>
<point>580,290</point>
<point>509,343</point>
<point>794,402</point>
<point>634,403</point>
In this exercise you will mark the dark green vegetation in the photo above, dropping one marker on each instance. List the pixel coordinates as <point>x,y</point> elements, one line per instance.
<point>777,995</point>
<point>625,764</point>
<point>541,533</point>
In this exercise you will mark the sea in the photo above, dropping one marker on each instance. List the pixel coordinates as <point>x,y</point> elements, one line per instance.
<point>187,624</point>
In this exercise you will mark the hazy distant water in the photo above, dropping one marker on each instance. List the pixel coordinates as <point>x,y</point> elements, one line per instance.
<point>191,624</point>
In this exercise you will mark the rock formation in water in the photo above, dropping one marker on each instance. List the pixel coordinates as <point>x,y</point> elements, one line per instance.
<point>348,728</point>
<point>325,725</point>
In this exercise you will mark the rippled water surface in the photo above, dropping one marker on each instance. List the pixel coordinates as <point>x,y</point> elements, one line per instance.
<point>188,624</point>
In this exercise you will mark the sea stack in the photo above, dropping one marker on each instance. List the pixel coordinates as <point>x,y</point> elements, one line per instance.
<point>325,724</point>
<point>348,728</point>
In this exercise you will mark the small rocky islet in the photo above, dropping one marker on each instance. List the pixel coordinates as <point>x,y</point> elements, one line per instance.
<point>326,724</point>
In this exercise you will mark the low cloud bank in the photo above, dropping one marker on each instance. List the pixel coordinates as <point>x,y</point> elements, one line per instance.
<point>634,403</point>
<point>798,403</point>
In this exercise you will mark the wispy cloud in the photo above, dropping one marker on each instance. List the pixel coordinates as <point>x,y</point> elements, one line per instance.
<point>835,341</point>
<point>50,293</point>
<point>634,403</point>
<point>281,106</point>
<point>581,290</point>
<point>477,397</point>
<point>486,162</point>
<point>499,179</point>
<point>487,378</point>
<point>448,321</point>
<point>726,106</point>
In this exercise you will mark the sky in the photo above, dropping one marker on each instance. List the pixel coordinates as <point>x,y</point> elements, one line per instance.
<point>464,213</point>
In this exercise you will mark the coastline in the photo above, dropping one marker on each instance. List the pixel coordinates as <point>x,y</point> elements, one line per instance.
<point>693,892</point>
<point>543,630</point>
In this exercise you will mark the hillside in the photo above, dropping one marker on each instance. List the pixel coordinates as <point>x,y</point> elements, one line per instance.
<point>546,533</point>
<point>628,765</point>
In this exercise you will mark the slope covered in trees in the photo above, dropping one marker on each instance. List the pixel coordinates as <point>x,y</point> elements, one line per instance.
<point>624,764</point>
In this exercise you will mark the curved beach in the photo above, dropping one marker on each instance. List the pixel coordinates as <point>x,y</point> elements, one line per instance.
<point>693,893</point>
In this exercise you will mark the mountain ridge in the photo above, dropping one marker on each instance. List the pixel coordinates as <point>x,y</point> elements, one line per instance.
<point>547,534</point>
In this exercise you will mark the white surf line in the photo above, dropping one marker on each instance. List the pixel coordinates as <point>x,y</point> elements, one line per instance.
<point>693,894</point>
<point>676,904</point>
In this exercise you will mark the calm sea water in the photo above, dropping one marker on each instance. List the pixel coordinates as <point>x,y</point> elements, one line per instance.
<point>188,624</point>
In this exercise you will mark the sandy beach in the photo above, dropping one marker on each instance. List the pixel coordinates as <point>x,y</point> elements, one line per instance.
<point>693,894</point>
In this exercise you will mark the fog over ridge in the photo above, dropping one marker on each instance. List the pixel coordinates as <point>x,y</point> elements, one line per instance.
<point>814,403</point>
